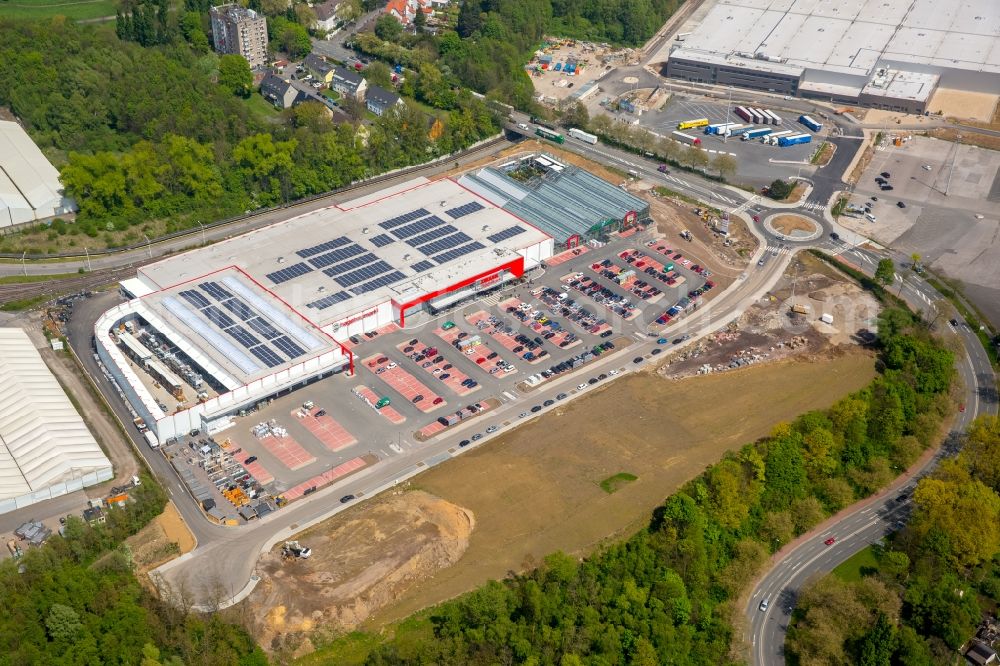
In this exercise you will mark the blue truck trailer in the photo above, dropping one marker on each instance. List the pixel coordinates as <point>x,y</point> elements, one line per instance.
<point>810,123</point>
<point>756,133</point>
<point>794,140</point>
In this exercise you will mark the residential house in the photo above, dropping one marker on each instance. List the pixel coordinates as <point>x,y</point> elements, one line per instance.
<point>379,100</point>
<point>980,654</point>
<point>349,83</point>
<point>319,68</point>
<point>94,515</point>
<point>326,15</point>
<point>280,92</point>
<point>405,11</point>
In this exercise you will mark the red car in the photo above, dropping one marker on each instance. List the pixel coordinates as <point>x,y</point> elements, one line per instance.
<point>831,541</point>
<point>961,408</point>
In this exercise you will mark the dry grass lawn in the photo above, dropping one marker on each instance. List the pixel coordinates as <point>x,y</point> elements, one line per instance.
<point>537,489</point>
<point>963,105</point>
<point>786,224</point>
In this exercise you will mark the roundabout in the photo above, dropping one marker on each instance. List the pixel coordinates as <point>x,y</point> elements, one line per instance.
<point>792,227</point>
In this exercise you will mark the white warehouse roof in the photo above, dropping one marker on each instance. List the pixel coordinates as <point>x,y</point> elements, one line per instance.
<point>29,184</point>
<point>45,447</point>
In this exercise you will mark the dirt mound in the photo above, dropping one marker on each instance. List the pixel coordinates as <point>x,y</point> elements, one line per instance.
<point>360,562</point>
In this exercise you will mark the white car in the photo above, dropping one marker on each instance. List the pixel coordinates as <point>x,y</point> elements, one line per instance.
<point>763,605</point>
<point>581,387</point>
<point>522,126</point>
<point>390,366</point>
<point>612,372</point>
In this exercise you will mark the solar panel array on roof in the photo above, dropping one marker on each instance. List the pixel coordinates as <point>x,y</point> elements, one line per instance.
<point>437,232</point>
<point>238,308</point>
<point>445,243</point>
<point>422,266</point>
<point>269,358</point>
<point>337,255</point>
<point>323,247</point>
<point>261,326</point>
<point>425,224</point>
<point>195,299</point>
<point>504,234</point>
<point>217,316</point>
<point>445,257</point>
<point>362,274</point>
<point>292,328</point>
<point>389,278</point>
<point>242,336</point>
<point>289,347</point>
<point>224,346</point>
<point>382,240</point>
<point>215,290</point>
<point>291,272</point>
<point>465,209</point>
<point>404,218</point>
<point>345,266</point>
<point>329,301</point>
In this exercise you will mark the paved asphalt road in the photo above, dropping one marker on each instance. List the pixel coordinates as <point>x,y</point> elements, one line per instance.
<point>868,521</point>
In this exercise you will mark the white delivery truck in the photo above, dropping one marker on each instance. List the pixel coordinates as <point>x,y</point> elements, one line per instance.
<point>151,439</point>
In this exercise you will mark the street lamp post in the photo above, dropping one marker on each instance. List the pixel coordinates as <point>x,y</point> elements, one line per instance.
<point>87,252</point>
<point>202,227</point>
<point>24,267</point>
<point>729,105</point>
<point>149,246</point>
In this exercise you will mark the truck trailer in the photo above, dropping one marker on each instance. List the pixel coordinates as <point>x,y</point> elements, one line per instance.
<point>810,123</point>
<point>772,139</point>
<point>151,439</point>
<point>745,114</point>
<point>686,138</point>
<point>719,128</point>
<point>794,140</point>
<point>756,133</point>
<point>775,119</point>
<point>735,129</point>
<point>586,137</point>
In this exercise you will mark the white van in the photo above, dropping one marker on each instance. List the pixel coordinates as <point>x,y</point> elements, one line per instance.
<point>869,217</point>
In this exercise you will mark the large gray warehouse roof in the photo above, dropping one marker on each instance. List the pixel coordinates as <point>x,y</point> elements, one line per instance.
<point>853,36</point>
<point>563,200</point>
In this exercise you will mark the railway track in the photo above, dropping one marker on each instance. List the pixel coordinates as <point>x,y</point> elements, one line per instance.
<point>60,286</point>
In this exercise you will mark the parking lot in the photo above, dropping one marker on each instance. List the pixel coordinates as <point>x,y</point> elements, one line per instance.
<point>757,164</point>
<point>412,385</point>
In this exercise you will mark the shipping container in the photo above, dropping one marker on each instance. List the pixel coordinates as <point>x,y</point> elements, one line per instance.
<point>756,133</point>
<point>582,136</point>
<point>794,139</point>
<point>810,123</point>
<point>686,138</point>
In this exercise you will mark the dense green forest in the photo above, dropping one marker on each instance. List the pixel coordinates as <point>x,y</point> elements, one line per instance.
<point>925,594</point>
<point>76,600</point>
<point>665,595</point>
<point>493,39</point>
<point>159,133</point>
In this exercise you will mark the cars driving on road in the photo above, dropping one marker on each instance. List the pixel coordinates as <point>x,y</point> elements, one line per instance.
<point>831,541</point>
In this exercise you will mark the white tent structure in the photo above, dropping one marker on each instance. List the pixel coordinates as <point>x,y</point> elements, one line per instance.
<point>46,449</point>
<point>29,185</point>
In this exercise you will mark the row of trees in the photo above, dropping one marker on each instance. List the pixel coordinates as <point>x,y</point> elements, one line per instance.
<point>76,600</point>
<point>929,586</point>
<point>160,132</point>
<point>665,595</point>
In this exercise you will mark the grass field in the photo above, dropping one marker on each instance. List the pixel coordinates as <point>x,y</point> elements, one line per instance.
<point>74,9</point>
<point>617,482</point>
<point>538,488</point>
<point>852,569</point>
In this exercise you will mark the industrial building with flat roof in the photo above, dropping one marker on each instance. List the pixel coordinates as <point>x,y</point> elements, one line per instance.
<point>29,185</point>
<point>569,203</point>
<point>889,54</point>
<point>46,449</point>
<point>262,312</point>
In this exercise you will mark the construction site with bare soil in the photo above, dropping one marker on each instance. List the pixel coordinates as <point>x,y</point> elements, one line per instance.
<point>572,479</point>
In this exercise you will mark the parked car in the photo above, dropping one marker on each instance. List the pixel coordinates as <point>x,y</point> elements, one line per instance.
<point>249,460</point>
<point>346,498</point>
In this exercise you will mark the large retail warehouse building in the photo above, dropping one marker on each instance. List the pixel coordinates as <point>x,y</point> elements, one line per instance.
<point>263,312</point>
<point>889,54</point>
